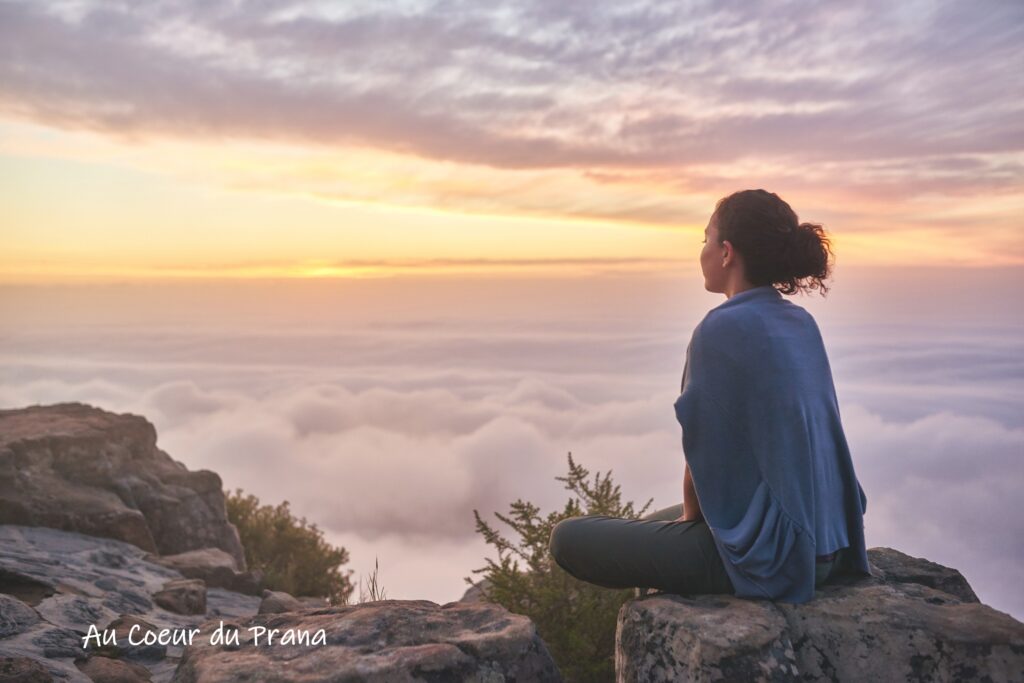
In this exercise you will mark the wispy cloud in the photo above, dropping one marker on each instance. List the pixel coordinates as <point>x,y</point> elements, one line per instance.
<point>887,101</point>
<point>529,86</point>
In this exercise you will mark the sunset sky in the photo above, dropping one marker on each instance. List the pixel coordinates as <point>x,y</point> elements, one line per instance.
<point>269,138</point>
<point>391,261</point>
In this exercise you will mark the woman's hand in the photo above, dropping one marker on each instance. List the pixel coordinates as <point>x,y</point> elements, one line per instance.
<point>685,518</point>
<point>691,504</point>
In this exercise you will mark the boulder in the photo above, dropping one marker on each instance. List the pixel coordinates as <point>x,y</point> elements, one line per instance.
<point>55,584</point>
<point>388,640</point>
<point>25,588</point>
<point>476,591</point>
<point>182,596</point>
<point>79,468</point>
<point>125,632</point>
<point>20,669</point>
<point>77,581</point>
<point>214,566</point>
<point>275,602</point>
<point>313,602</point>
<point>912,620</point>
<point>15,616</point>
<point>107,670</point>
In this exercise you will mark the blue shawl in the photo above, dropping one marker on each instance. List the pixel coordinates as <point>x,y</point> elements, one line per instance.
<point>766,448</point>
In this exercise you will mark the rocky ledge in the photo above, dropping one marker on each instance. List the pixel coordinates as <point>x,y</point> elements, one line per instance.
<point>79,468</point>
<point>912,620</point>
<point>55,586</point>
<point>388,640</point>
<point>100,529</point>
<point>102,534</point>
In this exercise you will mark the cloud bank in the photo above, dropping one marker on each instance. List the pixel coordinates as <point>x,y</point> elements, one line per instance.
<point>390,435</point>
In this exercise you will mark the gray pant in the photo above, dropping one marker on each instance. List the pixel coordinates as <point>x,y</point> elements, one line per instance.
<point>652,552</point>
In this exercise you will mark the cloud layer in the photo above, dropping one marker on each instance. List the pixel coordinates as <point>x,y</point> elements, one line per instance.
<point>389,435</point>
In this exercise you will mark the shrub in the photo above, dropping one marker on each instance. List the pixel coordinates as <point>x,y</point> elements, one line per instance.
<point>575,619</point>
<point>291,553</point>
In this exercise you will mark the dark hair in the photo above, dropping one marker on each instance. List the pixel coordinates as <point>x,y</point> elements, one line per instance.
<point>777,248</point>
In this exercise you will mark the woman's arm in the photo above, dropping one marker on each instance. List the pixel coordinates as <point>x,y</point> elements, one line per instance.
<point>691,505</point>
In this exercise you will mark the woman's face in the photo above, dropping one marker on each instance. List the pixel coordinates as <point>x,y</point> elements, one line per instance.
<point>711,257</point>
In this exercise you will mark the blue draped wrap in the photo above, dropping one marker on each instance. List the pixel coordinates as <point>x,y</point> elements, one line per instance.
<point>766,449</point>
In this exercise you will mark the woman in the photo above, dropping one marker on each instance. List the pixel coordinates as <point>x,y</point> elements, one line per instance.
<point>771,505</point>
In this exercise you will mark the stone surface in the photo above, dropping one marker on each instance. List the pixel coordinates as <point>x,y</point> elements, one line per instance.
<point>128,628</point>
<point>23,670</point>
<point>54,584</point>
<point>894,625</point>
<point>101,532</point>
<point>79,468</point>
<point>275,602</point>
<point>78,580</point>
<point>892,566</point>
<point>182,596</point>
<point>107,670</point>
<point>15,616</point>
<point>475,592</point>
<point>214,566</point>
<point>312,602</point>
<point>389,640</point>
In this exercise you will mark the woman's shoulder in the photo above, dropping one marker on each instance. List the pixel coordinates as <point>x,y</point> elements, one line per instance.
<point>756,320</point>
<point>730,318</point>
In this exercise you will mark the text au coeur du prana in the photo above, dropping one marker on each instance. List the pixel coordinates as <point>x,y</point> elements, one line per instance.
<point>222,635</point>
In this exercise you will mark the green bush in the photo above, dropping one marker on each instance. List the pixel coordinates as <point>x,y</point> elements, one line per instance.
<point>575,619</point>
<point>291,553</point>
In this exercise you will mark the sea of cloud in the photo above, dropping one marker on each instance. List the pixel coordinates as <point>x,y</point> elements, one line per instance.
<point>388,412</point>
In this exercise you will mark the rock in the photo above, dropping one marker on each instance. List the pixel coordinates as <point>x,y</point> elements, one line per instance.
<point>76,581</point>
<point>894,625</point>
<point>25,588</point>
<point>313,602</point>
<point>101,531</point>
<point>125,634</point>
<point>389,640</point>
<point>475,593</point>
<point>23,670</point>
<point>892,566</point>
<point>275,602</point>
<point>214,566</point>
<point>182,596</point>
<point>15,616</point>
<point>58,642</point>
<point>107,670</point>
<point>79,468</point>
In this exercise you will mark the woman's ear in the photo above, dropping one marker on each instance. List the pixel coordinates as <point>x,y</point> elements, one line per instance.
<point>728,254</point>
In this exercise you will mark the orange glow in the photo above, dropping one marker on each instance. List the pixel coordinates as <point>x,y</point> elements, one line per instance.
<point>79,206</point>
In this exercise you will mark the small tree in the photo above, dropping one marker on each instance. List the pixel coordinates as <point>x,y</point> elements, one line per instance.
<point>292,554</point>
<point>574,618</point>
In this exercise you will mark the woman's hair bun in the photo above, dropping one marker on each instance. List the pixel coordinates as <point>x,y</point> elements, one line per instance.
<point>777,248</point>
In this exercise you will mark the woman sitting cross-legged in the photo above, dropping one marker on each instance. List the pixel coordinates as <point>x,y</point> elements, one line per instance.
<point>772,507</point>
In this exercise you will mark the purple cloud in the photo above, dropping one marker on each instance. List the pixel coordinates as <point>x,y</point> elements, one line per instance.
<point>533,85</point>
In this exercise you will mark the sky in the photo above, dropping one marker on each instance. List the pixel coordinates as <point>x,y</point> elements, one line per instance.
<point>347,138</point>
<point>392,261</point>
